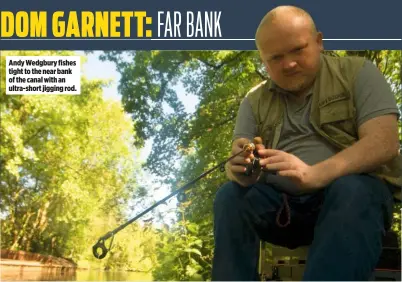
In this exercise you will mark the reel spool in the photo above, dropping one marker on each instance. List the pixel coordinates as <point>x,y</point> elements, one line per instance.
<point>255,162</point>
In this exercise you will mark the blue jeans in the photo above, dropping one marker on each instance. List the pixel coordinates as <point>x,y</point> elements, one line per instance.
<point>343,224</point>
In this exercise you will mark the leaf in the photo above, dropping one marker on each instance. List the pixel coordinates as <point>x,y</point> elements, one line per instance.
<point>194,251</point>
<point>197,242</point>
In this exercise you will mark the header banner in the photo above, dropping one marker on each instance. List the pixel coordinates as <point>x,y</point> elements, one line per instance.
<point>184,25</point>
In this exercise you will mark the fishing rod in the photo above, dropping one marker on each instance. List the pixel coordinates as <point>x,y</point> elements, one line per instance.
<point>100,245</point>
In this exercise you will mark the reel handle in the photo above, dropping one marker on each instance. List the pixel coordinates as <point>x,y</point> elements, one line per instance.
<point>251,167</point>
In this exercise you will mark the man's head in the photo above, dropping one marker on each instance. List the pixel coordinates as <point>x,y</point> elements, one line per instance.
<point>290,47</point>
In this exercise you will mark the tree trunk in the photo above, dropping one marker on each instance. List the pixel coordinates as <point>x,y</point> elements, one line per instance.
<point>20,234</point>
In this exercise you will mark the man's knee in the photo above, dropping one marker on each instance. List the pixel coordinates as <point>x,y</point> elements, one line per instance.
<point>228,193</point>
<point>350,188</point>
<point>356,197</point>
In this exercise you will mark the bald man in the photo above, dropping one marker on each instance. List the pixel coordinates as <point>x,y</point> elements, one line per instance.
<point>328,166</point>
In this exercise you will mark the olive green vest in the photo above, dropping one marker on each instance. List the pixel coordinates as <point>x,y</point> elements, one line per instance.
<point>332,111</point>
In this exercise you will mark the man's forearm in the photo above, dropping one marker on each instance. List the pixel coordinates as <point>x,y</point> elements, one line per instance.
<point>364,156</point>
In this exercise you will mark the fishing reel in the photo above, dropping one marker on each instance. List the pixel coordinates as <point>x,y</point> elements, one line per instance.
<point>255,162</point>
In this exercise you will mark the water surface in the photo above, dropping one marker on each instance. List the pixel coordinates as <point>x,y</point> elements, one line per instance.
<point>48,274</point>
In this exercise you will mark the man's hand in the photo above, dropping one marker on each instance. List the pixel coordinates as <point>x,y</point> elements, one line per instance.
<point>379,136</point>
<point>305,176</point>
<point>378,143</point>
<point>238,163</point>
<point>237,166</point>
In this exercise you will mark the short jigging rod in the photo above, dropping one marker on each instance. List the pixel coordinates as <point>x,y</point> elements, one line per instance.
<point>100,245</point>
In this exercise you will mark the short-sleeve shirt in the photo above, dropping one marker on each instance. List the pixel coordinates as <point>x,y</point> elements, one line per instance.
<point>373,97</point>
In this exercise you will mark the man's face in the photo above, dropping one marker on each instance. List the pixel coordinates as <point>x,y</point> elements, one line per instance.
<point>291,55</point>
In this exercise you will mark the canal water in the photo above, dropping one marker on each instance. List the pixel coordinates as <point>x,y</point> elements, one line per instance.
<point>48,274</point>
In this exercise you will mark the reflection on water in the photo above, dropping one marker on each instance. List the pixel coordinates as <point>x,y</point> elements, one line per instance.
<point>100,275</point>
<point>48,274</point>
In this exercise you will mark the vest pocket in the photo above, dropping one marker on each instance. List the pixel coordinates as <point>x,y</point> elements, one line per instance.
<point>338,121</point>
<point>335,112</point>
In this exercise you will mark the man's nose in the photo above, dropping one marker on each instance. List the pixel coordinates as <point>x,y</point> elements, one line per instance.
<point>289,63</point>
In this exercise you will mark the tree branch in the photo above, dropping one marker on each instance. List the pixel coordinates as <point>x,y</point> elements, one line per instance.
<point>35,134</point>
<point>260,74</point>
<point>224,62</point>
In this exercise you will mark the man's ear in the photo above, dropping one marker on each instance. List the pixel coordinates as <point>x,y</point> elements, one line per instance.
<point>319,41</point>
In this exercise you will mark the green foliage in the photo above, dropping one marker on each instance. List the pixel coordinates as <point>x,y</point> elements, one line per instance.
<point>181,252</point>
<point>147,85</point>
<point>67,167</point>
<point>396,227</point>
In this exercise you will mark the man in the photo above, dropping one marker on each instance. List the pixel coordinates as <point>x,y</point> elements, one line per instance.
<point>329,161</point>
